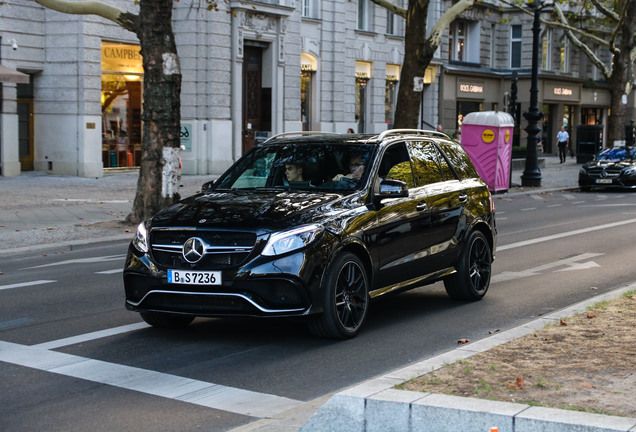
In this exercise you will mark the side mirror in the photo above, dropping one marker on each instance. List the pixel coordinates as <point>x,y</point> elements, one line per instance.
<point>393,189</point>
<point>207,186</point>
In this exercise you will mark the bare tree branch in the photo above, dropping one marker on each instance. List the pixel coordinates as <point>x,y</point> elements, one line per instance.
<point>444,21</point>
<point>125,19</point>
<point>605,11</point>
<point>391,7</point>
<point>583,47</point>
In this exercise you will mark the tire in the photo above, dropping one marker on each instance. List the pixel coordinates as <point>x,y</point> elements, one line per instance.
<point>166,320</point>
<point>472,279</point>
<point>345,299</point>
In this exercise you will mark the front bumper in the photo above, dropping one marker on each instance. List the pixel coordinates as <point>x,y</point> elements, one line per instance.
<point>264,286</point>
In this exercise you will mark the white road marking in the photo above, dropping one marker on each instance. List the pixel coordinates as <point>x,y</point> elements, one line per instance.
<point>528,209</point>
<point>564,234</point>
<point>82,261</point>
<point>120,270</point>
<point>25,284</point>
<point>554,205</point>
<point>188,390</point>
<point>569,263</point>
<point>91,336</point>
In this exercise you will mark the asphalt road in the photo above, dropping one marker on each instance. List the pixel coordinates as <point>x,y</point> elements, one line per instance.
<point>73,359</point>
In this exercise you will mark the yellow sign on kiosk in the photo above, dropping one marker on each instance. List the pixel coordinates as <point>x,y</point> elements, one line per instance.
<point>488,136</point>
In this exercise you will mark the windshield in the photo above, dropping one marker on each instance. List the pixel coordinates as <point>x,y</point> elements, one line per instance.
<point>303,166</point>
<point>617,154</point>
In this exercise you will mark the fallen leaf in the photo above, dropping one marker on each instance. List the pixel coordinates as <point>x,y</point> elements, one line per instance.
<point>493,331</point>
<point>588,385</point>
<point>562,322</point>
<point>591,315</point>
<point>518,384</point>
<point>463,341</point>
<point>593,288</point>
<point>127,230</point>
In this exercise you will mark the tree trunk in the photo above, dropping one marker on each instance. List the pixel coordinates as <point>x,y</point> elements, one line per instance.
<point>622,73</point>
<point>418,55</point>
<point>159,169</point>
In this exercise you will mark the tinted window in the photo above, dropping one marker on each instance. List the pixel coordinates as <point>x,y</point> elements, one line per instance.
<point>269,167</point>
<point>459,159</point>
<point>428,164</point>
<point>396,165</point>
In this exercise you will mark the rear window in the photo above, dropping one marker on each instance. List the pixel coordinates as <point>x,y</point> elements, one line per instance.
<point>459,160</point>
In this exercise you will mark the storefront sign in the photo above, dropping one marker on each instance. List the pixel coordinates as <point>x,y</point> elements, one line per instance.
<point>186,136</point>
<point>117,57</point>
<point>561,91</point>
<point>471,89</point>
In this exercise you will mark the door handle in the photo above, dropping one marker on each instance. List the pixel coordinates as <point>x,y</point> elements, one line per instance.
<point>421,206</point>
<point>463,198</point>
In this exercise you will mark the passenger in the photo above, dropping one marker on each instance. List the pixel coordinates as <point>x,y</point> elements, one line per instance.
<point>356,168</point>
<point>294,172</point>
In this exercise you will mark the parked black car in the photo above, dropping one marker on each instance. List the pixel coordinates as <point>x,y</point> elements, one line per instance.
<point>368,215</point>
<point>611,168</point>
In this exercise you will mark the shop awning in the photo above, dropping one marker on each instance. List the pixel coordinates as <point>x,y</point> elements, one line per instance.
<point>13,76</point>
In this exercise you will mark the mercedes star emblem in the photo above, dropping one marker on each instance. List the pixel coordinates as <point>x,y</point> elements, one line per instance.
<point>193,250</point>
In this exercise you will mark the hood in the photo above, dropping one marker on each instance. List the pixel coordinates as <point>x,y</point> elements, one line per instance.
<point>611,165</point>
<point>249,210</point>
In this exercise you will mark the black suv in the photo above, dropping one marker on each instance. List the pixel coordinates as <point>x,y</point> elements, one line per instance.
<point>314,225</point>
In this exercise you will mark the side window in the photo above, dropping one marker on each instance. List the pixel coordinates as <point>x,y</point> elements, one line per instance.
<point>460,160</point>
<point>428,164</point>
<point>396,165</point>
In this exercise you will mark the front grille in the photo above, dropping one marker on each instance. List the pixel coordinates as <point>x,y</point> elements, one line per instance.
<point>227,249</point>
<point>604,173</point>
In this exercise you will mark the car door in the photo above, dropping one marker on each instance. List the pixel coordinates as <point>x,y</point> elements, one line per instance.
<point>400,230</point>
<point>444,198</point>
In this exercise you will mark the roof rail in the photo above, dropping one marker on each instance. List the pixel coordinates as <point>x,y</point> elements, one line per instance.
<point>411,131</point>
<point>283,134</point>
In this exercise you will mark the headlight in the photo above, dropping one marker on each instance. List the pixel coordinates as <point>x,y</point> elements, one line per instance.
<point>140,241</point>
<point>290,240</point>
<point>628,172</point>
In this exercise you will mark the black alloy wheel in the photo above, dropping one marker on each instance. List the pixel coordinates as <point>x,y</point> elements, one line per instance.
<point>474,268</point>
<point>346,299</point>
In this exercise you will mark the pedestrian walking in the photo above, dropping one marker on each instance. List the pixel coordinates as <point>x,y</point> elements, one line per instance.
<point>562,141</point>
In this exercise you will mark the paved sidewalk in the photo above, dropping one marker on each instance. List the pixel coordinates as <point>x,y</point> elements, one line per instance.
<point>56,212</point>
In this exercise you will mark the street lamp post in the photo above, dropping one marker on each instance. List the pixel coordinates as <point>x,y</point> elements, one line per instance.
<point>532,174</point>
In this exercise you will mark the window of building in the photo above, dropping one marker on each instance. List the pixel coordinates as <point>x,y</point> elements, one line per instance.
<point>515,46</point>
<point>309,8</point>
<point>458,40</point>
<point>565,55</point>
<point>365,15</point>
<point>463,36</point>
<point>122,76</point>
<point>546,50</point>
<point>390,93</point>
<point>493,45</point>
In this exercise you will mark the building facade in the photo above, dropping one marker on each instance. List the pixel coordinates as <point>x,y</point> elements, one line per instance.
<point>256,68</point>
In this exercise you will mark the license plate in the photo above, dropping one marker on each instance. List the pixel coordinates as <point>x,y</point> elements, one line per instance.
<point>194,277</point>
<point>604,181</point>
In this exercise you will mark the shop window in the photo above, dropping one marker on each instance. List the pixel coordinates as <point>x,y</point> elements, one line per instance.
<point>121,99</point>
<point>390,94</point>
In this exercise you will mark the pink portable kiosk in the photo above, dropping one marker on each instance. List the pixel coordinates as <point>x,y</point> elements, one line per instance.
<point>487,138</point>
